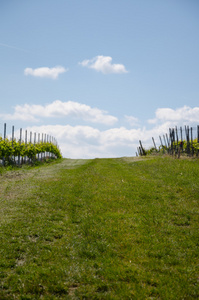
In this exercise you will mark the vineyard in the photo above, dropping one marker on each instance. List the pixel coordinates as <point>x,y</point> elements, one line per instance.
<point>177,142</point>
<point>32,148</point>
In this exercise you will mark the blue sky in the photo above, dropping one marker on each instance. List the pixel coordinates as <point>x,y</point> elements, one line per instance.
<point>99,75</point>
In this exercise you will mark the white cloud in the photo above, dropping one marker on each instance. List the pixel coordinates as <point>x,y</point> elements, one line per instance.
<point>45,72</point>
<point>18,115</point>
<point>132,120</point>
<point>89,142</point>
<point>103,64</point>
<point>181,115</point>
<point>57,109</point>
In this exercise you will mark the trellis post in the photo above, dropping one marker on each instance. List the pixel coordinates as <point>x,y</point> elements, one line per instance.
<point>13,141</point>
<point>142,149</point>
<point>4,131</point>
<point>192,149</point>
<point>161,143</point>
<point>154,143</point>
<point>165,141</point>
<point>26,140</point>
<point>198,133</point>
<point>168,142</point>
<point>188,142</point>
<point>20,138</point>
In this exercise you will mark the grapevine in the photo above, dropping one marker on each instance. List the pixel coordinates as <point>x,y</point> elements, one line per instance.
<point>10,149</point>
<point>184,146</point>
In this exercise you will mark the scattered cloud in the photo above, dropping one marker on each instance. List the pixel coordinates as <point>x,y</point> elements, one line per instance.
<point>132,120</point>
<point>18,116</point>
<point>103,64</point>
<point>181,115</point>
<point>58,109</point>
<point>45,72</point>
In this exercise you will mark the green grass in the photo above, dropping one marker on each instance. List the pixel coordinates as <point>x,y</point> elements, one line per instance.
<point>100,229</point>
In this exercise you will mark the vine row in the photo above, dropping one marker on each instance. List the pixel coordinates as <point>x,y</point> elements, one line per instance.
<point>176,142</point>
<point>10,149</point>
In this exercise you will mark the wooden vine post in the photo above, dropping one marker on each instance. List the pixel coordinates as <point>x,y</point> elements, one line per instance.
<point>4,137</point>
<point>154,143</point>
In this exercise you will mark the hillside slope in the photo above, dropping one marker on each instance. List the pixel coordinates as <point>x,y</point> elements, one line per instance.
<point>100,229</point>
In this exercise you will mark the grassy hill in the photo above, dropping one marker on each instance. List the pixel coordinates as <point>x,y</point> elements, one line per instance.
<point>100,229</point>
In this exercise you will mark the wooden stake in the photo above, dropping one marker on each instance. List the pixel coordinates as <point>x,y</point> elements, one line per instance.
<point>154,143</point>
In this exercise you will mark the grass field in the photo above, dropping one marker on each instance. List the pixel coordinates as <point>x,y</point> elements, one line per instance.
<point>100,229</point>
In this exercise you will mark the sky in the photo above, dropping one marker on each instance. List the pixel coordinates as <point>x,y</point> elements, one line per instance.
<point>99,75</point>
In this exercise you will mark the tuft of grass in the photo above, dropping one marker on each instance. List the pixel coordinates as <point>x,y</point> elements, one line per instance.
<point>100,229</point>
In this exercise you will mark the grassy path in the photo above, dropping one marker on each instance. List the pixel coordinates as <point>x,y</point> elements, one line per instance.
<point>100,229</point>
